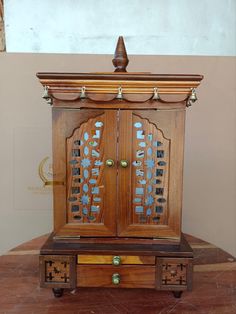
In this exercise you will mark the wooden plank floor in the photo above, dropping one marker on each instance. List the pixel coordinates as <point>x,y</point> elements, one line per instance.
<point>214,289</point>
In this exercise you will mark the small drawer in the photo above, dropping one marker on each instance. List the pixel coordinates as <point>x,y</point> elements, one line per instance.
<point>116,276</point>
<point>175,273</point>
<point>57,271</point>
<point>116,260</point>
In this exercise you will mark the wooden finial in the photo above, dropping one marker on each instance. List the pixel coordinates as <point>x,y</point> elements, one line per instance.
<point>120,60</point>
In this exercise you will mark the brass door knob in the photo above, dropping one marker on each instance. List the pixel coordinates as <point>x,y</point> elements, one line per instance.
<point>116,279</point>
<point>110,162</point>
<point>124,163</point>
<point>116,260</point>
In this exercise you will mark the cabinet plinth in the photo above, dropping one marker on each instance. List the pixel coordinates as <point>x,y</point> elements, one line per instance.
<point>118,143</point>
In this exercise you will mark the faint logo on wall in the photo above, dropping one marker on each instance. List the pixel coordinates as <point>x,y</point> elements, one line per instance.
<point>45,174</point>
<point>45,171</point>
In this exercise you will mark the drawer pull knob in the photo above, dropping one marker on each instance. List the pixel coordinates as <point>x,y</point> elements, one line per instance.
<point>110,162</point>
<point>124,163</point>
<point>116,260</point>
<point>116,279</point>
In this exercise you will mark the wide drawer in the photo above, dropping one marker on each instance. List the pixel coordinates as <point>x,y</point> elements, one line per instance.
<point>109,259</point>
<point>104,275</point>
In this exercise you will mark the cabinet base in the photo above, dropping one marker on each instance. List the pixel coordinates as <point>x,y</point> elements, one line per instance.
<point>157,266</point>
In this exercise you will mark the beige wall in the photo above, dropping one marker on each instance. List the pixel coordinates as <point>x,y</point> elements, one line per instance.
<point>210,155</point>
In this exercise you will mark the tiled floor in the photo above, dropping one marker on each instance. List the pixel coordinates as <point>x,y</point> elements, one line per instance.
<point>214,289</point>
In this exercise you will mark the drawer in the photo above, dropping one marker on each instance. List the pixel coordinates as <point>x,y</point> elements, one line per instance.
<point>118,260</point>
<point>116,276</point>
<point>57,271</point>
<point>174,273</point>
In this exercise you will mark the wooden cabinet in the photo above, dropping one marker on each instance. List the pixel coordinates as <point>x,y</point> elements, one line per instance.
<point>118,142</point>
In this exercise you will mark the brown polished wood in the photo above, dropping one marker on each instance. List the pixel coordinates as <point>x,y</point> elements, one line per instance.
<point>118,142</point>
<point>130,276</point>
<point>120,60</point>
<point>109,259</point>
<point>213,291</point>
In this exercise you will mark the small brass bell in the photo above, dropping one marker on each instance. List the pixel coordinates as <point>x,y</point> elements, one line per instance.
<point>156,95</point>
<point>45,93</point>
<point>82,94</point>
<point>120,93</point>
<point>46,96</point>
<point>193,96</point>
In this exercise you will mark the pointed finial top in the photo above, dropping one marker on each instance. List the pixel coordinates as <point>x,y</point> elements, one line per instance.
<point>120,60</point>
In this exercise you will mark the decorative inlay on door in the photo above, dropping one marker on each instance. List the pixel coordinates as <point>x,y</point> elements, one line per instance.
<point>85,159</point>
<point>150,170</point>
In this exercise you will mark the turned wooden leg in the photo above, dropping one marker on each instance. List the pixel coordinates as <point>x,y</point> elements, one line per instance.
<point>177,294</point>
<point>58,292</point>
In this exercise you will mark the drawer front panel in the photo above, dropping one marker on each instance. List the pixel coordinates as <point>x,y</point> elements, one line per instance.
<point>57,271</point>
<point>103,276</point>
<point>108,259</point>
<point>175,273</point>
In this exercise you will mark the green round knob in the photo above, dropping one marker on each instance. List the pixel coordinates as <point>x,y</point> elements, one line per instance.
<point>110,163</point>
<point>116,279</point>
<point>124,163</point>
<point>116,260</point>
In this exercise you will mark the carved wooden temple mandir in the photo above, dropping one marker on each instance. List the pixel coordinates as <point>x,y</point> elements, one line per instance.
<point>118,144</point>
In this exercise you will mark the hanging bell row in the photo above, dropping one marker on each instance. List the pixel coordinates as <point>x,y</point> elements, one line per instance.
<point>156,95</point>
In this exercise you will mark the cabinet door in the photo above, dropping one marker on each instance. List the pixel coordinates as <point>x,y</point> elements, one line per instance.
<point>85,188</point>
<point>150,188</point>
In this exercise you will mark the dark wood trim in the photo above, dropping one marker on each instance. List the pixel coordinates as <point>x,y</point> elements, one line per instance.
<point>119,76</point>
<point>74,248</point>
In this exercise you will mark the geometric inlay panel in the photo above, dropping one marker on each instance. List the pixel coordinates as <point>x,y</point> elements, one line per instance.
<point>174,274</point>
<point>150,171</point>
<point>57,271</point>
<point>85,164</point>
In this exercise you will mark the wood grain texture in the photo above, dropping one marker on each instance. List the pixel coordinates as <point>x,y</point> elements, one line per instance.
<point>122,104</point>
<point>108,247</point>
<point>156,186</point>
<point>174,273</point>
<point>171,123</point>
<point>120,60</point>
<point>214,288</point>
<point>65,122</point>
<point>108,76</point>
<point>57,271</point>
<point>107,259</point>
<point>136,87</point>
<point>140,193</point>
<point>130,276</point>
<point>81,157</point>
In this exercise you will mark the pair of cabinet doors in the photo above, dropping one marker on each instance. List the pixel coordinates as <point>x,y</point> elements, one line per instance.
<point>118,173</point>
